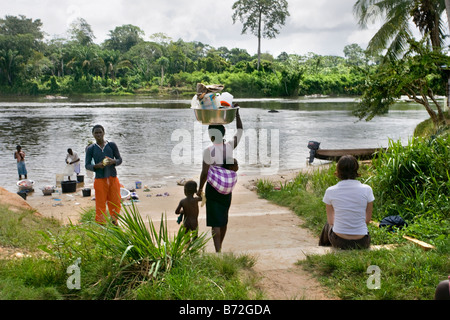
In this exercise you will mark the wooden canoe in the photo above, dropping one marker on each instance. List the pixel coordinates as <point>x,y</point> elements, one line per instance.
<point>335,154</point>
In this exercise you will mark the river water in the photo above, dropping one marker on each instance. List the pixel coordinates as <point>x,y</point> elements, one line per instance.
<point>160,140</point>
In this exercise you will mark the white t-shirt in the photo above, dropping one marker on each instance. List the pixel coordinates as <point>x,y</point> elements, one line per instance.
<point>215,154</point>
<point>349,199</point>
<point>74,157</point>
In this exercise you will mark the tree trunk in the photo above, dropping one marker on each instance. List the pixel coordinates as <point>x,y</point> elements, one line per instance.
<point>9,71</point>
<point>259,39</point>
<point>423,100</point>
<point>440,110</point>
<point>435,34</point>
<point>447,6</point>
<point>432,114</point>
<point>448,92</point>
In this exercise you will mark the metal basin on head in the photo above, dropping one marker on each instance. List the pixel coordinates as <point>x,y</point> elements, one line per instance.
<point>215,116</point>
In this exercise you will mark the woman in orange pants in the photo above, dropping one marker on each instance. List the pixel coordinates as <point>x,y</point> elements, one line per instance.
<point>107,192</point>
<point>102,157</point>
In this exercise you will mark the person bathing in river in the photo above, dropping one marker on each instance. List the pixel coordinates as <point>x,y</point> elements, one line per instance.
<point>105,156</point>
<point>349,206</point>
<point>19,155</point>
<point>217,202</point>
<point>188,207</point>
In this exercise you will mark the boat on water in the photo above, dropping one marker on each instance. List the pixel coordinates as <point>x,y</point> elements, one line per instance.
<point>336,154</point>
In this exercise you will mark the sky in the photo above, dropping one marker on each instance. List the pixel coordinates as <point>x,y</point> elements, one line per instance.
<point>324,27</point>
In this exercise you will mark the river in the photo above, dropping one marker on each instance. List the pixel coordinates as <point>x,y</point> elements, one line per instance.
<point>161,141</point>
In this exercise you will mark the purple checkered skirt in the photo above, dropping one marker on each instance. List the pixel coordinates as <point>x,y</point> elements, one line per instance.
<point>223,180</point>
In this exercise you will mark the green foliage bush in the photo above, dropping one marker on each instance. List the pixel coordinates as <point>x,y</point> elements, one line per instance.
<point>413,181</point>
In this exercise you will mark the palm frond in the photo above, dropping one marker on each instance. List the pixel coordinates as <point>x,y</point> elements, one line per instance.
<point>136,244</point>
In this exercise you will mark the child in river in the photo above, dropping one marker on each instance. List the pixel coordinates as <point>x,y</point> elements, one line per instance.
<point>19,155</point>
<point>188,207</point>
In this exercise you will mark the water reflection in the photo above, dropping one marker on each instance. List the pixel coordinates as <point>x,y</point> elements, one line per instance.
<point>144,129</point>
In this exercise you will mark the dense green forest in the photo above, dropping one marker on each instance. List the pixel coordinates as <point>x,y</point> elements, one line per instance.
<point>129,62</point>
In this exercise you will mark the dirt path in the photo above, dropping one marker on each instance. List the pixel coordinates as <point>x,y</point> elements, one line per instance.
<point>270,233</point>
<point>273,235</point>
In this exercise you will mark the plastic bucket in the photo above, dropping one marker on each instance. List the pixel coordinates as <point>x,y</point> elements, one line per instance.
<point>68,186</point>
<point>86,192</point>
<point>80,178</point>
<point>138,184</point>
<point>226,99</point>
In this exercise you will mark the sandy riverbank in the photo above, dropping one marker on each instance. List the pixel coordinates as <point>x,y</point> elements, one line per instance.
<point>269,232</point>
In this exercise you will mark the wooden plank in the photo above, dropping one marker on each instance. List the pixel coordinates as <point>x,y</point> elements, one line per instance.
<point>383,246</point>
<point>424,245</point>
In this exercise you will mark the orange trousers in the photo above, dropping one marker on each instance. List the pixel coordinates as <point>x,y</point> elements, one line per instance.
<point>107,192</point>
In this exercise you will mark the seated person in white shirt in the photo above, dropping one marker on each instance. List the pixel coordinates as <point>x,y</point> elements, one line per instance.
<point>349,206</point>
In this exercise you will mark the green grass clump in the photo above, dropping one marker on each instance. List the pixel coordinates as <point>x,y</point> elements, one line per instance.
<point>133,261</point>
<point>413,182</point>
<point>406,273</point>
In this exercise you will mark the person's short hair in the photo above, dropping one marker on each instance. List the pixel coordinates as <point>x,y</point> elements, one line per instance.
<point>216,132</point>
<point>98,126</point>
<point>191,186</point>
<point>347,168</point>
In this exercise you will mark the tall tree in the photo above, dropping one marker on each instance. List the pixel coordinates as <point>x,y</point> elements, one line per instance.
<point>19,39</point>
<point>10,64</point>
<point>355,55</point>
<point>124,37</point>
<point>14,26</point>
<point>163,62</point>
<point>262,18</point>
<point>395,15</point>
<point>427,17</point>
<point>81,32</point>
<point>143,57</point>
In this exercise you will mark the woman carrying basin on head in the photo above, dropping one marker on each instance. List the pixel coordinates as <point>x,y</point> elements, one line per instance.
<point>218,202</point>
